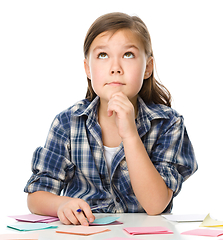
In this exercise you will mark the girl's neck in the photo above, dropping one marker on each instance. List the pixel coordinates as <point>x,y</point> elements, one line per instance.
<point>110,136</point>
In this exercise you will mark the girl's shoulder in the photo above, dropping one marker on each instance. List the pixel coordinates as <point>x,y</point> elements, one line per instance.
<point>164,115</point>
<point>65,116</point>
<point>157,111</point>
<point>163,110</point>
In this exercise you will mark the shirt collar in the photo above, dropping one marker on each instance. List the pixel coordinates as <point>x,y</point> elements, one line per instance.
<point>86,107</point>
<point>146,112</point>
<point>89,109</point>
<point>151,111</point>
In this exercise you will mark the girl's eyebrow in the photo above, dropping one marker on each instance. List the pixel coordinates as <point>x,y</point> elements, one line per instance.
<point>102,47</point>
<point>132,46</point>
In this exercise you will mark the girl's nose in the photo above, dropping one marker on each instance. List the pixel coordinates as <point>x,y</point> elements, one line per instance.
<point>116,71</point>
<point>116,68</point>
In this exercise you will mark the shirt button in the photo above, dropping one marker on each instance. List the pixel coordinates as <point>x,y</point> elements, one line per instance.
<point>117,199</point>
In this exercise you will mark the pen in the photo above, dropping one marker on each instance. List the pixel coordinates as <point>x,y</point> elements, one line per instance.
<point>103,205</point>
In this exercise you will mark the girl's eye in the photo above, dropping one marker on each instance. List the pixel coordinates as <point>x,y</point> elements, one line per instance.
<point>102,55</point>
<point>128,55</point>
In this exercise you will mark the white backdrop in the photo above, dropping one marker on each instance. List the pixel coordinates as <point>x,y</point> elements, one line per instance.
<point>41,74</point>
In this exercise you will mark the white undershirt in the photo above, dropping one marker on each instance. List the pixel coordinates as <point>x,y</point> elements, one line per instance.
<point>109,153</point>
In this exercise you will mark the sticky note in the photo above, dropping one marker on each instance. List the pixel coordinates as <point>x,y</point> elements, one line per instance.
<point>147,230</point>
<point>120,238</point>
<point>83,230</point>
<point>21,236</point>
<point>185,218</point>
<point>204,232</point>
<point>209,222</point>
<point>31,226</point>
<point>112,223</point>
<point>35,218</point>
<point>104,221</point>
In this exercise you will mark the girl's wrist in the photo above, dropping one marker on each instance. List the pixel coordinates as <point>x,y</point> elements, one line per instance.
<point>131,140</point>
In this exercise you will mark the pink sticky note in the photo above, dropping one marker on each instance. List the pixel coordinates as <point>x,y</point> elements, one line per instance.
<point>204,232</point>
<point>49,220</point>
<point>120,238</point>
<point>83,230</point>
<point>28,236</point>
<point>35,218</point>
<point>147,230</point>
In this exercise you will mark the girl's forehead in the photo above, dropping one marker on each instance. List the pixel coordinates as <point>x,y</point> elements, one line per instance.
<point>122,36</point>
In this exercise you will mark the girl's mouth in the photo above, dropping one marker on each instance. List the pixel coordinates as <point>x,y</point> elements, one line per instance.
<point>115,84</point>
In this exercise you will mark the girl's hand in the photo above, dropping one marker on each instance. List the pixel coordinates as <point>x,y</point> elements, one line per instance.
<point>120,105</point>
<point>67,212</point>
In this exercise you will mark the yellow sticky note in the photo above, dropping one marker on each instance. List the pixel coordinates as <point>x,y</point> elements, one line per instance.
<point>209,222</point>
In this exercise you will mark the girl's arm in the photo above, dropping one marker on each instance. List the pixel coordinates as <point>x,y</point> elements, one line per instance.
<point>148,185</point>
<point>46,203</point>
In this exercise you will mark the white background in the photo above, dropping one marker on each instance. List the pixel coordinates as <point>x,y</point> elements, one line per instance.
<point>41,74</point>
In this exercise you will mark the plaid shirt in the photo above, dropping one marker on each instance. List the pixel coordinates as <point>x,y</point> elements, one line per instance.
<point>72,161</point>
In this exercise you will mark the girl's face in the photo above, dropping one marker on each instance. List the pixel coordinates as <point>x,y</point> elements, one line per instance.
<point>117,63</point>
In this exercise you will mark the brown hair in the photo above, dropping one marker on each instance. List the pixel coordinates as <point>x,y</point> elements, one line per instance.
<point>152,90</point>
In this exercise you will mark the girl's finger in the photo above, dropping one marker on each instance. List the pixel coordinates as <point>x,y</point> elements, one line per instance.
<point>69,214</point>
<point>63,219</point>
<point>120,100</point>
<point>110,113</point>
<point>81,218</point>
<point>88,213</point>
<point>84,211</point>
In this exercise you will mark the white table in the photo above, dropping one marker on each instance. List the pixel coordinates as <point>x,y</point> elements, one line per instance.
<point>129,220</point>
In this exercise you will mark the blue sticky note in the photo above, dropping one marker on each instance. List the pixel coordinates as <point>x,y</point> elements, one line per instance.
<point>105,220</point>
<point>31,226</point>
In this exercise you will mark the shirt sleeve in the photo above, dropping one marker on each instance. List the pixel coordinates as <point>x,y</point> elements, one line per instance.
<point>173,154</point>
<point>51,165</point>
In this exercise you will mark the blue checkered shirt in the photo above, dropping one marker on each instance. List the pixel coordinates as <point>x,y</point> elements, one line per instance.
<point>72,162</point>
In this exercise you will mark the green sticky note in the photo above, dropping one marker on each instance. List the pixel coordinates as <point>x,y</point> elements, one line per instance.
<point>105,220</point>
<point>31,226</point>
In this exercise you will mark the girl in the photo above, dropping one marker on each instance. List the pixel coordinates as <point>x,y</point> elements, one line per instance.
<point>122,145</point>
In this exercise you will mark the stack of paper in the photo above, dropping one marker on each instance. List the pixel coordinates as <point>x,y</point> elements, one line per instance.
<point>31,226</point>
<point>120,238</point>
<point>204,232</point>
<point>22,236</point>
<point>147,230</point>
<point>185,217</point>
<point>35,218</point>
<point>83,230</point>
<point>105,221</point>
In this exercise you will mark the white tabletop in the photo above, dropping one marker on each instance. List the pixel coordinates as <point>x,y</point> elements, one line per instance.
<point>128,219</point>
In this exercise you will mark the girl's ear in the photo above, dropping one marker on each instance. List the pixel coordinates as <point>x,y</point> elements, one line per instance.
<point>87,68</point>
<point>149,68</point>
